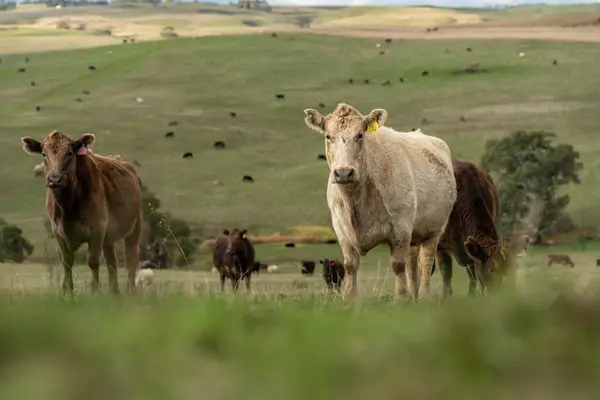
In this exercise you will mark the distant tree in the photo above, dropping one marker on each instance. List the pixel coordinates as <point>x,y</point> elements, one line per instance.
<point>13,246</point>
<point>530,171</point>
<point>162,229</point>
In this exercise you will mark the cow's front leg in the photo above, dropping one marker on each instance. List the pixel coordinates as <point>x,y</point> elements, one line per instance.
<point>351,265</point>
<point>399,258</point>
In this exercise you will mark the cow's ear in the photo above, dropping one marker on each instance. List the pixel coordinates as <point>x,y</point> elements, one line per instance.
<point>244,234</point>
<point>474,250</point>
<point>378,115</point>
<point>225,232</point>
<point>314,120</point>
<point>31,146</point>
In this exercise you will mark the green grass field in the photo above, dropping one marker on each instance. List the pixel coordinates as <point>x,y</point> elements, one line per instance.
<point>180,338</point>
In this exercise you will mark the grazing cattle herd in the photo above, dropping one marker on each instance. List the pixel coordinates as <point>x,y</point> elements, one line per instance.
<point>403,190</point>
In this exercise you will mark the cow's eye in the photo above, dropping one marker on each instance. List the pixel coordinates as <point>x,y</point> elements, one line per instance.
<point>43,154</point>
<point>328,137</point>
<point>360,136</point>
<point>68,154</point>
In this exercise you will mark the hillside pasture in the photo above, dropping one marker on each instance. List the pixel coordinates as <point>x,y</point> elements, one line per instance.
<point>199,82</point>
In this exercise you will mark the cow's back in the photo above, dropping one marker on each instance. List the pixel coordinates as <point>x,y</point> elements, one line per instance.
<point>122,193</point>
<point>417,163</point>
<point>474,212</point>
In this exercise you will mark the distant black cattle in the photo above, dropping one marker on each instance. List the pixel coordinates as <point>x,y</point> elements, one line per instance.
<point>280,96</point>
<point>38,108</point>
<point>290,244</point>
<point>273,34</point>
<point>350,81</point>
<point>333,273</point>
<point>26,59</point>
<point>366,81</point>
<point>388,40</point>
<point>86,92</point>
<point>219,145</point>
<point>322,105</point>
<point>92,68</point>
<point>170,134</point>
<point>555,62</point>
<point>32,83</point>
<point>469,49</point>
<point>247,178</point>
<point>425,73</point>
<point>321,157</point>
<point>131,40</point>
<point>188,155</point>
<point>424,121</point>
<point>22,70</point>
<point>79,100</point>
<point>598,262</point>
<point>124,40</point>
<point>308,267</point>
<point>258,266</point>
<point>233,114</point>
<point>386,83</point>
<point>234,258</point>
<point>401,80</point>
<point>173,123</point>
<point>462,118</point>
<point>382,53</point>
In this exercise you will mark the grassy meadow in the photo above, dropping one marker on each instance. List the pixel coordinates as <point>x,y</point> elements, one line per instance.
<point>180,338</point>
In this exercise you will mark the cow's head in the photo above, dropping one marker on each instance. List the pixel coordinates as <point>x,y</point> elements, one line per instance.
<point>60,154</point>
<point>483,255</point>
<point>345,131</point>
<point>236,240</point>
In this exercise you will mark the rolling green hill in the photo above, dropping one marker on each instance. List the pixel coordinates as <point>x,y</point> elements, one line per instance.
<point>198,82</point>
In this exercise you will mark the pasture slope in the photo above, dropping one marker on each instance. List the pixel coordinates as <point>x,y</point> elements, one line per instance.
<point>180,340</point>
<point>200,81</point>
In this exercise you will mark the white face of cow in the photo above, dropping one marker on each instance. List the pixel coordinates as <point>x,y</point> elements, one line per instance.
<point>345,130</point>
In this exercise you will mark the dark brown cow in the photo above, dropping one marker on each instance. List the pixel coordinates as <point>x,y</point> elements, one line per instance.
<point>90,199</point>
<point>333,273</point>
<point>471,236</point>
<point>234,258</point>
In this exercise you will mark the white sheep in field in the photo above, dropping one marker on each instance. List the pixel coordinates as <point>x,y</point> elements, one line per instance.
<point>272,269</point>
<point>38,170</point>
<point>144,277</point>
<point>522,55</point>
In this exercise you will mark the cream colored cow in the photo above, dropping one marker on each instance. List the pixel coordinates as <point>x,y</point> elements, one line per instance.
<point>385,187</point>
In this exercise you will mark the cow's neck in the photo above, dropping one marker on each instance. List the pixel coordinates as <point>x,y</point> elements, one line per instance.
<point>69,200</point>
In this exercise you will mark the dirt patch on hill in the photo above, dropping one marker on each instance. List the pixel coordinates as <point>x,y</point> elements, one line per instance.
<point>538,107</point>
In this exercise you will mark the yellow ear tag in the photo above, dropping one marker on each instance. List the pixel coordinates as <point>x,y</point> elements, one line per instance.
<point>373,127</point>
<point>244,236</point>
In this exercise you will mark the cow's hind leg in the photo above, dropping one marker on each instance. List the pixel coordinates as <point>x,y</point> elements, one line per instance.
<point>222,277</point>
<point>93,258</point>
<point>132,255</point>
<point>111,266</point>
<point>426,258</point>
<point>411,272</point>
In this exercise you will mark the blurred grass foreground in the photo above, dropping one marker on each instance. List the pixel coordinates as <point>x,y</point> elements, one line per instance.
<point>220,347</point>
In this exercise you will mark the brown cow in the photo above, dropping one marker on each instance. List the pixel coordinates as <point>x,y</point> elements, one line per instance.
<point>562,259</point>
<point>471,235</point>
<point>90,199</point>
<point>234,258</point>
